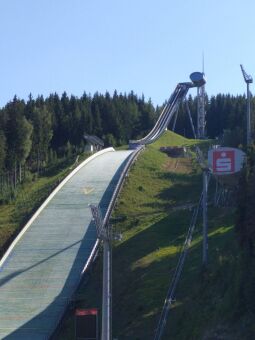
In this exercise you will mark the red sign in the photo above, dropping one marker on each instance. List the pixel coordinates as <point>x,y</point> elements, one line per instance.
<point>86,324</point>
<point>80,312</point>
<point>223,161</point>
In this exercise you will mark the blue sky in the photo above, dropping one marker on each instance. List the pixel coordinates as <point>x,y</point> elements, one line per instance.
<point>141,45</point>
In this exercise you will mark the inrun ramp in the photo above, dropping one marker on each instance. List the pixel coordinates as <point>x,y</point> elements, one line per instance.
<point>180,92</point>
<point>41,272</point>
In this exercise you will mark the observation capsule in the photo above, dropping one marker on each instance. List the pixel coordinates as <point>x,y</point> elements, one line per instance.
<point>197,78</point>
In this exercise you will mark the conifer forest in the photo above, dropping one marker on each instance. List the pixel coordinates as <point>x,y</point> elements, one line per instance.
<point>38,132</point>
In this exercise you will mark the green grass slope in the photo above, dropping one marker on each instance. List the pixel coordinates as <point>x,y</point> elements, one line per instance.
<point>153,213</point>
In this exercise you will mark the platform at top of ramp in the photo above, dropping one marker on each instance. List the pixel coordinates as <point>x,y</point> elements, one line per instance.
<point>41,272</point>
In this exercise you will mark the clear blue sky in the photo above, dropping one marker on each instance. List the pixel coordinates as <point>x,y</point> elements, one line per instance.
<point>143,45</point>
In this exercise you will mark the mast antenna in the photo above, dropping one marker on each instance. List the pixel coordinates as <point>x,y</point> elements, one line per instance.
<point>203,62</point>
<point>248,80</point>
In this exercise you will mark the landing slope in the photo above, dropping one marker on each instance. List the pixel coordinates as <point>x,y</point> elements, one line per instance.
<point>42,270</point>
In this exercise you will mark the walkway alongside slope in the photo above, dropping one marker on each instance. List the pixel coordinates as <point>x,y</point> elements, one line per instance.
<point>43,269</point>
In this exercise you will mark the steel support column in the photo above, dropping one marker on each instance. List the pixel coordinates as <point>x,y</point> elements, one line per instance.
<point>106,303</point>
<point>248,114</point>
<point>205,219</point>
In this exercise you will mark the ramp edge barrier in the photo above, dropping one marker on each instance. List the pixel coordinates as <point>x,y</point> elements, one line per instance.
<point>130,162</point>
<point>113,200</point>
<point>120,183</point>
<point>48,199</point>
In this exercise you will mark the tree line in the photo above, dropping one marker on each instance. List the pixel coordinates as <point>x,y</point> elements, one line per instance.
<point>225,118</point>
<point>38,132</point>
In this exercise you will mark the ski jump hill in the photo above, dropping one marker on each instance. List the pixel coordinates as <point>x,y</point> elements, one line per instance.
<point>44,265</point>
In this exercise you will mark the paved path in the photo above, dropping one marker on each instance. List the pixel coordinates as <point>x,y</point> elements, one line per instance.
<point>42,270</point>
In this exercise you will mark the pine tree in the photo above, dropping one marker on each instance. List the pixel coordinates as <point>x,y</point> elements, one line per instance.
<point>18,137</point>
<point>42,123</point>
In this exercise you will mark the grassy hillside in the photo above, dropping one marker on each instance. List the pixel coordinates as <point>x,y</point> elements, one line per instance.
<point>153,213</point>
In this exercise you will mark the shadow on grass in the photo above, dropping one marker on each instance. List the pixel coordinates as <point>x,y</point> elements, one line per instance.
<point>147,288</point>
<point>139,292</point>
<point>182,189</point>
